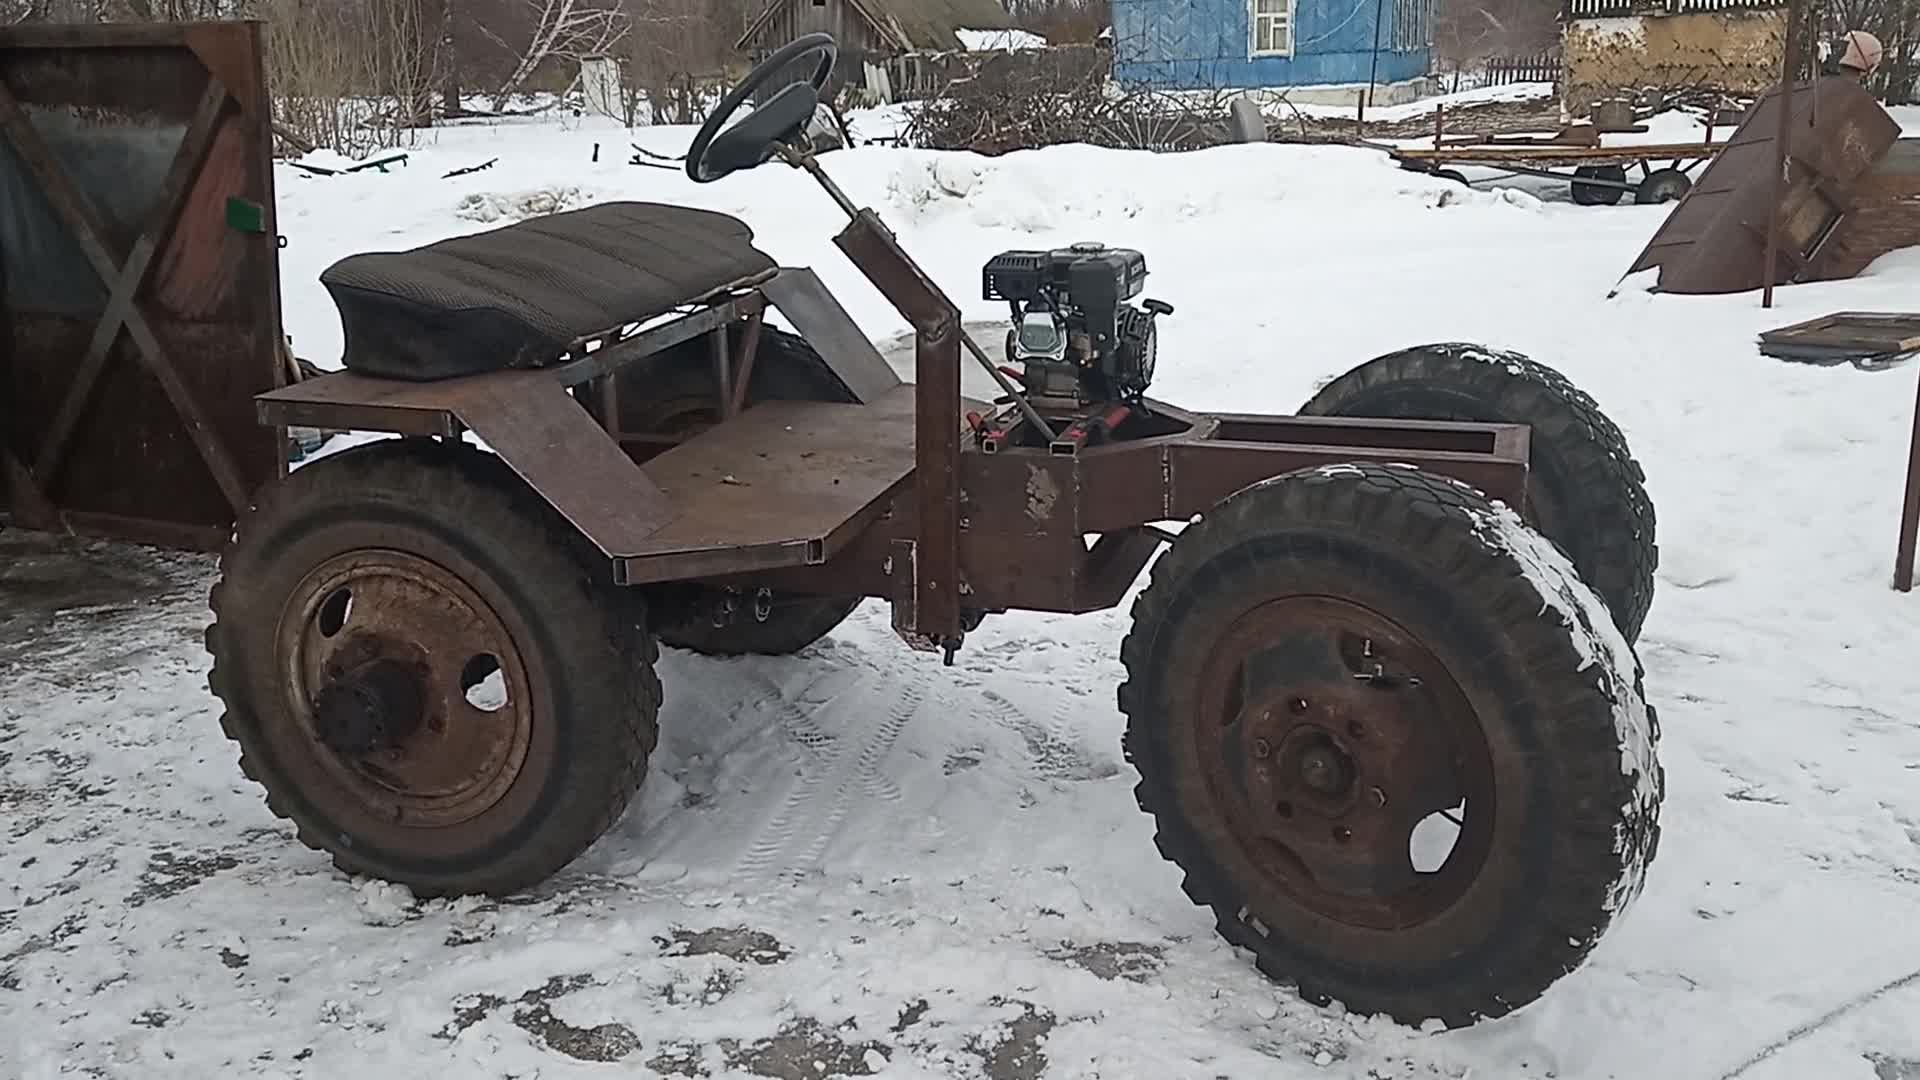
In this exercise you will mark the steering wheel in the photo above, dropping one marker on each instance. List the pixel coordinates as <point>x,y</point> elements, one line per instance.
<point>782,118</point>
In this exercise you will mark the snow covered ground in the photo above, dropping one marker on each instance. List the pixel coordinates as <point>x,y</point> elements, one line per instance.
<point>856,861</point>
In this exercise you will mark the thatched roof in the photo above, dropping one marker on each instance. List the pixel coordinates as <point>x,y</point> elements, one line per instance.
<point>906,25</point>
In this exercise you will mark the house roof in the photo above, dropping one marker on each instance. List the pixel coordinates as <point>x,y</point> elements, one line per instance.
<point>906,25</point>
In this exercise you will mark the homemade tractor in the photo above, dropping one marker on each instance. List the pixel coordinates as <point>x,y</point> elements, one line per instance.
<point>438,657</point>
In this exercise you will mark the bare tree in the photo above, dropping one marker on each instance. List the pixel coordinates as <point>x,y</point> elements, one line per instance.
<point>1467,32</point>
<point>564,30</point>
<point>1062,22</point>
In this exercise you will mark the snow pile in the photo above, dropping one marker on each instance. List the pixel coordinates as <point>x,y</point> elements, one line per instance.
<point>999,40</point>
<point>488,207</point>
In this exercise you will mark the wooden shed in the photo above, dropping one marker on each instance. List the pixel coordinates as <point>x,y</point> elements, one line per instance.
<point>874,35</point>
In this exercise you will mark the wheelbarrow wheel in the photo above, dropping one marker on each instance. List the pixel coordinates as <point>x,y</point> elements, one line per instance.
<point>674,395</point>
<point>1605,194</point>
<point>1585,492</point>
<point>1662,186</point>
<point>1393,740</point>
<point>427,673</point>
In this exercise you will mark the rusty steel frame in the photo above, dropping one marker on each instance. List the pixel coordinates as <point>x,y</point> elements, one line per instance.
<point>952,531</point>
<point>232,103</point>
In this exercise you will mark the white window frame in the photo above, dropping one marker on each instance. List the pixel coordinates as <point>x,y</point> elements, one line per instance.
<point>1255,16</point>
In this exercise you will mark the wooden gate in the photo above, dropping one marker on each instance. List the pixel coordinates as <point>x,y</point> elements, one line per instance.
<point>139,267</point>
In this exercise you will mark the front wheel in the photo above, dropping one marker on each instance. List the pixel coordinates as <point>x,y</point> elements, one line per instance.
<point>1395,743</point>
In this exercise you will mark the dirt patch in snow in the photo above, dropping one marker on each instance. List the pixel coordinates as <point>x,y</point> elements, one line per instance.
<point>1111,960</point>
<point>533,1014</point>
<point>734,943</point>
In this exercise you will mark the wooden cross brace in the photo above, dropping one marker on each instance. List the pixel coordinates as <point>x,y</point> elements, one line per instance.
<point>124,281</point>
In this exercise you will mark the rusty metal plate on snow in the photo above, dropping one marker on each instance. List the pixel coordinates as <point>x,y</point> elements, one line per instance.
<point>1715,240</point>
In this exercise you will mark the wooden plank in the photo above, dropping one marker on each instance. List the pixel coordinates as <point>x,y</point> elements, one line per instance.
<point>1880,332</point>
<point>1550,154</point>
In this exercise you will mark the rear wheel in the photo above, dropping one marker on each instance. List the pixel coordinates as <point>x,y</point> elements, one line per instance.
<point>673,395</point>
<point>1394,742</point>
<point>1586,492</point>
<point>426,674</point>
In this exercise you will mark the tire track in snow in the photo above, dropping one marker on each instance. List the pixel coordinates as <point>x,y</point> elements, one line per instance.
<point>794,840</point>
<point>1054,755</point>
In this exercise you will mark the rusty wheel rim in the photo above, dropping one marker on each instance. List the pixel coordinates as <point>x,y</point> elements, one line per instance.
<point>408,686</point>
<point>1327,735</point>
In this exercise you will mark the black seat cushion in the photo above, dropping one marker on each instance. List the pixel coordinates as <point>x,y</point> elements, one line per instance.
<point>518,296</point>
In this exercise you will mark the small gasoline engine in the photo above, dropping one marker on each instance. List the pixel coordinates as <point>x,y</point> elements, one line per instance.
<point>1077,340</point>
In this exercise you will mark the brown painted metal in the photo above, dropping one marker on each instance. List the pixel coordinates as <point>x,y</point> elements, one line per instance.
<point>458,724</point>
<point>1909,511</point>
<point>804,301</point>
<point>145,324</point>
<point>749,355</point>
<point>1715,240</point>
<point>887,498</point>
<point>543,434</point>
<point>1324,735</point>
<point>818,497</point>
<point>785,483</point>
<point>935,614</point>
<point>1782,139</point>
<point>349,401</point>
<point>1027,511</point>
<point>1885,217</point>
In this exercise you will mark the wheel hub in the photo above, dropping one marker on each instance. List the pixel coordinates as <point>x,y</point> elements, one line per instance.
<point>376,707</point>
<point>1341,734</point>
<point>413,690</point>
<point>1322,767</point>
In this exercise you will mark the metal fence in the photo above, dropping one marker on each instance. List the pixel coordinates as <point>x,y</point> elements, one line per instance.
<point>1592,9</point>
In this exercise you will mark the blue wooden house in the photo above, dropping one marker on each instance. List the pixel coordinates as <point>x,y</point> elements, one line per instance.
<point>1325,48</point>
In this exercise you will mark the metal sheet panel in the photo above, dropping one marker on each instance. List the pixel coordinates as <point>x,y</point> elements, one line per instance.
<point>1715,239</point>
<point>138,324</point>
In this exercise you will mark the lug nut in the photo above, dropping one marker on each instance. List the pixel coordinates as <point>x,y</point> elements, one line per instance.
<point>1299,705</point>
<point>1379,797</point>
<point>1262,749</point>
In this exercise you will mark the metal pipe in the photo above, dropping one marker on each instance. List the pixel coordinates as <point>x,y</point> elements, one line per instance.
<point>807,161</point>
<point>1789,68</point>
